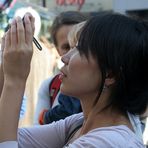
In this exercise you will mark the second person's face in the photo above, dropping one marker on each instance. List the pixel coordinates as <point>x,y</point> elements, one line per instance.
<point>62,39</point>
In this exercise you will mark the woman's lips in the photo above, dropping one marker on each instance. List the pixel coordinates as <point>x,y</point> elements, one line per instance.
<point>62,75</point>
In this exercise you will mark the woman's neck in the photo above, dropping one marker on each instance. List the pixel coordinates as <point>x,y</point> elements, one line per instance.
<point>94,103</point>
<point>98,115</point>
<point>106,118</point>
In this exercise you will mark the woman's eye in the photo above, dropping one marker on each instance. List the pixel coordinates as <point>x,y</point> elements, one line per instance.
<point>66,47</point>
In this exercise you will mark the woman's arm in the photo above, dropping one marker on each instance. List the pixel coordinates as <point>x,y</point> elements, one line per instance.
<point>16,66</point>
<point>10,104</point>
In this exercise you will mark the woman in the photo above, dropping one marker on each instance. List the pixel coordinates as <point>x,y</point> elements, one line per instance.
<point>107,72</point>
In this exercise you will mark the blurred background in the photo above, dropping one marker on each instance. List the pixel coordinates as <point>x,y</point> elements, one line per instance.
<point>45,61</point>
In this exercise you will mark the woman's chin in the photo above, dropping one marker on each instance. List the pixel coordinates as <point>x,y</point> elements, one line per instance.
<point>62,89</point>
<point>65,91</point>
<point>69,91</point>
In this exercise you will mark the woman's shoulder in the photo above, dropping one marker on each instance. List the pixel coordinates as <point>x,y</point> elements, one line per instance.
<point>74,118</point>
<point>115,136</point>
<point>9,144</point>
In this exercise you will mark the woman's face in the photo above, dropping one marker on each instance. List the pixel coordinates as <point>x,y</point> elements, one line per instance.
<point>79,75</point>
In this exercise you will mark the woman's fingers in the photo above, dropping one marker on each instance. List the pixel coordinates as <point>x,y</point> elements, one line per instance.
<point>13,32</point>
<point>28,30</point>
<point>2,48</point>
<point>29,27</point>
<point>3,43</point>
<point>7,40</point>
<point>17,35</point>
<point>20,31</point>
<point>32,20</point>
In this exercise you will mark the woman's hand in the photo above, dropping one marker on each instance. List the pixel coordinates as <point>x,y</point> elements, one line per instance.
<point>18,48</point>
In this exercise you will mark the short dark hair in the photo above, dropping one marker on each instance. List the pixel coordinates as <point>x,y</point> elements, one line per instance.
<point>66,18</point>
<point>120,45</point>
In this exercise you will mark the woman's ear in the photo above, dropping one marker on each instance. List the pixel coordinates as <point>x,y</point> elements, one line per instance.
<point>110,79</point>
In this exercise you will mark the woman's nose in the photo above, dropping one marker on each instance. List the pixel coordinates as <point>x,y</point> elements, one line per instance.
<point>65,58</point>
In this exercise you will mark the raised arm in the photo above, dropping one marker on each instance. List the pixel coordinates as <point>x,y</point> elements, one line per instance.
<point>17,45</point>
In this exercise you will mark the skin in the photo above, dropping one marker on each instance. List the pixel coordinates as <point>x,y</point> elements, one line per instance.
<point>1,78</point>
<point>17,47</point>
<point>78,71</point>
<point>62,39</point>
<point>1,68</point>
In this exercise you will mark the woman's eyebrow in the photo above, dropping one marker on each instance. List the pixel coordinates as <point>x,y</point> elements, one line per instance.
<point>65,46</point>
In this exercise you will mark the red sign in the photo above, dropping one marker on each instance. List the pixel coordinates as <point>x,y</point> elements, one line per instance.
<point>70,2</point>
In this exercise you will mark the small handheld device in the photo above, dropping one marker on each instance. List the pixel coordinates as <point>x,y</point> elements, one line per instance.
<point>34,40</point>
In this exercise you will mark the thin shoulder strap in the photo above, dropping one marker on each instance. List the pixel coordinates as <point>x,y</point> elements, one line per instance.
<point>74,128</point>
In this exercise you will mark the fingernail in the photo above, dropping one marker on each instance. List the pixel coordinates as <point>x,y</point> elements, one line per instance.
<point>18,19</point>
<point>13,21</point>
